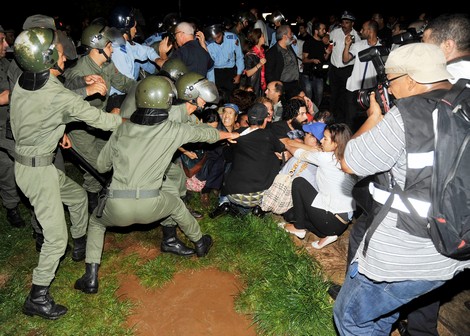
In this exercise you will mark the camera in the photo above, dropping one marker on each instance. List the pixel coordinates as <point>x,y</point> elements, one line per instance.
<point>410,36</point>
<point>376,55</point>
<point>381,96</point>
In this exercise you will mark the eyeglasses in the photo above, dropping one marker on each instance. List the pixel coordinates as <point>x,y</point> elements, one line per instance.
<point>387,83</point>
<point>176,33</point>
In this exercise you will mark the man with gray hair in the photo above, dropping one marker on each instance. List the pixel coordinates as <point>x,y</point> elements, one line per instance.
<point>282,63</point>
<point>192,49</point>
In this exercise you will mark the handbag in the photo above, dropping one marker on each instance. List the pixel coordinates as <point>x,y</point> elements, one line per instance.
<point>192,166</point>
<point>278,197</point>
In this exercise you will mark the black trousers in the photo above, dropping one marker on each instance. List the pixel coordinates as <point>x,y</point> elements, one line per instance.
<point>319,221</point>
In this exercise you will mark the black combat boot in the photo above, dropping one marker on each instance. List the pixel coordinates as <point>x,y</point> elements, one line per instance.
<point>88,283</point>
<point>92,201</point>
<point>203,245</point>
<point>79,248</point>
<point>172,244</point>
<point>14,218</point>
<point>40,302</point>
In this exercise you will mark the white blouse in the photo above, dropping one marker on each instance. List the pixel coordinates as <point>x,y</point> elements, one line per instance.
<point>334,185</point>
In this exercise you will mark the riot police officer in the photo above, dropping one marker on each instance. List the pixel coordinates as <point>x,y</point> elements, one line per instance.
<point>40,109</point>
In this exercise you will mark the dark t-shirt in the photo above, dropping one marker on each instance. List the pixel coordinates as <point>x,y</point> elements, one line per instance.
<point>315,50</point>
<point>196,58</point>
<point>280,129</point>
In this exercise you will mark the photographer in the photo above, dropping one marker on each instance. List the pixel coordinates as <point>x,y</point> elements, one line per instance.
<point>400,259</point>
<point>364,74</point>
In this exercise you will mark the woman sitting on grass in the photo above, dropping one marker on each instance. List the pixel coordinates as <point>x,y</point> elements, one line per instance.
<point>328,211</point>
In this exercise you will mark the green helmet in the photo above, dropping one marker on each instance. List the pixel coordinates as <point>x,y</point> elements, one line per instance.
<point>174,68</point>
<point>35,49</point>
<point>192,85</point>
<point>95,36</point>
<point>154,92</point>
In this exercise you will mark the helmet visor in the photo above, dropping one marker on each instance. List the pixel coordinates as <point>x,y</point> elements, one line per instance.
<point>208,91</point>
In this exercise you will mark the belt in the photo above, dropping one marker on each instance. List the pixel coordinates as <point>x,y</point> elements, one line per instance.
<point>35,161</point>
<point>132,193</point>
<point>342,220</point>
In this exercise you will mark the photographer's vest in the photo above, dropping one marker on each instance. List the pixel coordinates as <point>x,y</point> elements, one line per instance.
<point>417,117</point>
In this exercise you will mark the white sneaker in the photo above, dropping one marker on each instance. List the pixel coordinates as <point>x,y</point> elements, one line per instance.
<point>327,241</point>
<point>299,233</point>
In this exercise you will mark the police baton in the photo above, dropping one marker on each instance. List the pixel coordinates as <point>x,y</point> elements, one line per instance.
<point>88,167</point>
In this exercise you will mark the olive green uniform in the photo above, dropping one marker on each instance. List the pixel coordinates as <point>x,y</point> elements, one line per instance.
<point>135,191</point>
<point>8,190</point>
<point>38,120</point>
<point>87,141</point>
<point>78,86</point>
<point>175,178</point>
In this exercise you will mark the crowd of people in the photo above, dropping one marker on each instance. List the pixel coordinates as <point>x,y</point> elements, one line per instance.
<point>223,108</point>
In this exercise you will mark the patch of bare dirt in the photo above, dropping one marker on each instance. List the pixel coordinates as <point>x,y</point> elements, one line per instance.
<point>194,303</point>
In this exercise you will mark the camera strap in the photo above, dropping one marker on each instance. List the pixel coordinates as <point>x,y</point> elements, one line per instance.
<point>364,75</point>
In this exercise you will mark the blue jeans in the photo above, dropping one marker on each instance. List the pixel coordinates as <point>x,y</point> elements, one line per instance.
<point>369,308</point>
<point>313,87</point>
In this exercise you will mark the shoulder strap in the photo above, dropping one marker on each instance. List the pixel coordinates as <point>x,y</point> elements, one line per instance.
<point>377,220</point>
<point>452,95</point>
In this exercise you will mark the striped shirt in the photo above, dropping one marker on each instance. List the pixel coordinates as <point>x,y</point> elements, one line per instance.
<point>393,254</point>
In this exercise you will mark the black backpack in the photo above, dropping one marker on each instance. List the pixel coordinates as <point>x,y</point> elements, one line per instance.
<point>449,216</point>
<point>448,222</point>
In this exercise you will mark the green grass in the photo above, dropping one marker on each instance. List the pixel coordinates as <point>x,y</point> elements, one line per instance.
<point>283,287</point>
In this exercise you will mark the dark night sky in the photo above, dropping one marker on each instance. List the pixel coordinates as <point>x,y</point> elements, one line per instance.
<point>74,11</point>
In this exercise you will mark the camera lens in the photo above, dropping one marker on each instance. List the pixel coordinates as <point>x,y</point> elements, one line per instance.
<point>363,99</point>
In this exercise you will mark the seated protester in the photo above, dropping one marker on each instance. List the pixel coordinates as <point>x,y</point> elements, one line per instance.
<point>255,162</point>
<point>311,107</point>
<point>328,211</point>
<point>312,137</point>
<point>294,116</point>
<point>214,167</point>
<point>195,179</point>
<point>242,121</point>
<point>297,168</point>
